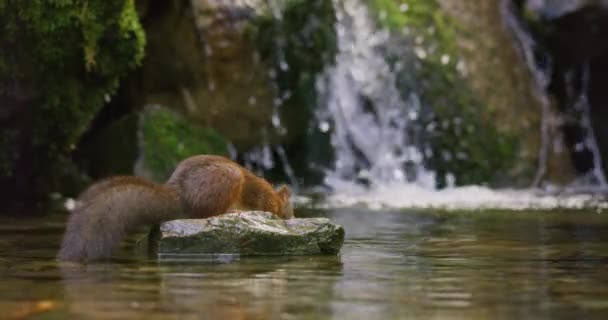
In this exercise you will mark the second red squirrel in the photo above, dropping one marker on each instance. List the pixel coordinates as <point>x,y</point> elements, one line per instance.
<point>200,187</point>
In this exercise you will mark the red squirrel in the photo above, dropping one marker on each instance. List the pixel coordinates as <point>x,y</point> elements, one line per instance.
<point>201,186</point>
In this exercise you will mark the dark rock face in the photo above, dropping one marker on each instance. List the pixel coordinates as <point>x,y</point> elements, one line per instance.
<point>250,233</point>
<point>573,34</point>
<point>201,62</point>
<point>505,99</point>
<point>554,9</point>
<point>150,144</point>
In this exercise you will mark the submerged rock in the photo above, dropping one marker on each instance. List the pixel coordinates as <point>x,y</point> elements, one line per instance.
<point>250,233</point>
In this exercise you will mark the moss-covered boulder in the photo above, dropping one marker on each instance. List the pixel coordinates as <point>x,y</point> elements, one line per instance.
<point>166,138</point>
<point>60,62</point>
<point>250,233</point>
<point>201,62</point>
<point>148,143</point>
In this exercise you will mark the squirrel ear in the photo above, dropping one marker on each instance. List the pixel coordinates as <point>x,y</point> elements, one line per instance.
<point>284,193</point>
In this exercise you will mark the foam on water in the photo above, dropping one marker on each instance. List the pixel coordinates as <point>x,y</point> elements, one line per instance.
<point>457,198</point>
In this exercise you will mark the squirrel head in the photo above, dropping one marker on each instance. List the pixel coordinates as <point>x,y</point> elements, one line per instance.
<point>286,211</point>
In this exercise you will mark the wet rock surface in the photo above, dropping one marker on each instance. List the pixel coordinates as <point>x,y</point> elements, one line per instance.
<point>250,233</point>
<point>569,39</point>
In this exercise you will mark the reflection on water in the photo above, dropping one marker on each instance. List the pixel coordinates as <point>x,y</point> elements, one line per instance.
<point>459,265</point>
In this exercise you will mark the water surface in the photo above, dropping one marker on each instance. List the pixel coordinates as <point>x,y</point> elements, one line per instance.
<point>394,265</point>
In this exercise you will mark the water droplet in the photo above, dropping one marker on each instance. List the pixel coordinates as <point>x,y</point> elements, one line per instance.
<point>445,59</point>
<point>283,65</point>
<point>324,126</point>
<point>70,204</point>
<point>420,53</point>
<point>461,67</point>
<point>276,121</point>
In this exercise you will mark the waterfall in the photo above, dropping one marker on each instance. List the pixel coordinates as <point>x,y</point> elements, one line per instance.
<point>542,79</point>
<point>364,110</point>
<point>371,128</point>
<point>373,124</point>
<point>539,64</point>
<point>595,176</point>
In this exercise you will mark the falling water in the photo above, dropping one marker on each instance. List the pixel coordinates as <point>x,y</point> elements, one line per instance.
<point>364,110</point>
<point>370,126</point>
<point>595,176</point>
<point>542,79</point>
<point>540,68</point>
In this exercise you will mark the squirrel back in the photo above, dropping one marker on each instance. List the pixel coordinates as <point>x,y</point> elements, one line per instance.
<point>200,187</point>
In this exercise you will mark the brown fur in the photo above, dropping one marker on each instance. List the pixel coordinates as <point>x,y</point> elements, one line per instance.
<point>200,187</point>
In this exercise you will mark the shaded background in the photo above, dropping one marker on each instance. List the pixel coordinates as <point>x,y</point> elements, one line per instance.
<point>503,93</point>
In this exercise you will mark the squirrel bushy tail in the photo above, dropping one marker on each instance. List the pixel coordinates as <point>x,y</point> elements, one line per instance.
<point>200,187</point>
<point>108,210</point>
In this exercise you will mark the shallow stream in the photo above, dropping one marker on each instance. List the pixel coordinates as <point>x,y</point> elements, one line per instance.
<point>394,265</point>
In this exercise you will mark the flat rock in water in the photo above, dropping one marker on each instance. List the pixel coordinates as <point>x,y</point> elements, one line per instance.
<point>250,233</point>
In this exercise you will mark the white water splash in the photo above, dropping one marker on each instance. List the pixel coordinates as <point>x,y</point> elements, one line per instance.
<point>368,121</point>
<point>364,110</point>
<point>403,196</point>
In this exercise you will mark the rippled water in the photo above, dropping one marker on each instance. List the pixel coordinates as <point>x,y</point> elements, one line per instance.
<point>394,265</point>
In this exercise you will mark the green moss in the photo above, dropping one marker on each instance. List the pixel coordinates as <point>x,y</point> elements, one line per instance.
<point>61,61</point>
<point>463,143</point>
<point>167,138</point>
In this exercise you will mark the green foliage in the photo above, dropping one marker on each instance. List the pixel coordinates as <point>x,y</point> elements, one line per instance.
<point>463,143</point>
<point>63,60</point>
<point>167,138</point>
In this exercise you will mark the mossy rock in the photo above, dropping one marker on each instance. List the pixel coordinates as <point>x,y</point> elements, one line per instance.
<point>201,62</point>
<point>149,143</point>
<point>249,234</point>
<point>166,138</point>
<point>60,62</point>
